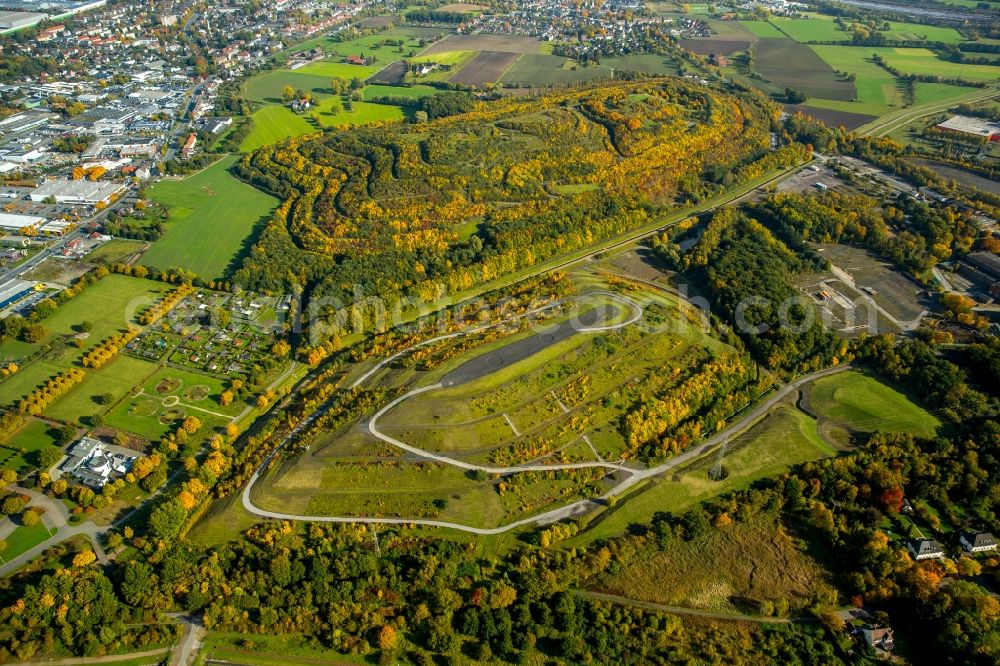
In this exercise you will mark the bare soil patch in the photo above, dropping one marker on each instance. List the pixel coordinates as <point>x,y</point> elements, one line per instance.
<point>502,43</point>
<point>485,68</point>
<point>788,63</point>
<point>712,45</point>
<point>831,117</point>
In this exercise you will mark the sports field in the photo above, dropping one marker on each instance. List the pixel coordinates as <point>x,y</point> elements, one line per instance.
<point>207,233</point>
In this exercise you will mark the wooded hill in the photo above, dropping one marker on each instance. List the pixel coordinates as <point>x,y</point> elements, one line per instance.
<point>417,210</point>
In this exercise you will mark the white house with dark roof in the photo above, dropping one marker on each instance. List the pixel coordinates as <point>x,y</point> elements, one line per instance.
<point>977,542</point>
<point>924,549</point>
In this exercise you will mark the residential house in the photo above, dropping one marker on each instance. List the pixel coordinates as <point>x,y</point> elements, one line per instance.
<point>977,542</point>
<point>924,549</point>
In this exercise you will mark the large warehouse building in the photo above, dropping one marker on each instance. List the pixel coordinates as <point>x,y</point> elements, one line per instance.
<point>77,192</point>
<point>977,127</point>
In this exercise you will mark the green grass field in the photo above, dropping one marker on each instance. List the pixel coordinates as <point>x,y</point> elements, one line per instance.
<point>762,29</point>
<point>268,87</point>
<point>860,402</point>
<point>116,379</point>
<point>814,28</point>
<point>213,216</point>
<point>23,539</point>
<point>413,92</point>
<point>275,123</point>
<point>165,399</point>
<point>110,305</point>
<point>875,85</point>
<point>329,70</point>
<point>115,250</point>
<point>33,437</point>
<point>415,38</point>
<point>908,32</point>
<point>537,69</point>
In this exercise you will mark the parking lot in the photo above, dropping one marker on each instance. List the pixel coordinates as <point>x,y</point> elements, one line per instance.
<point>812,179</point>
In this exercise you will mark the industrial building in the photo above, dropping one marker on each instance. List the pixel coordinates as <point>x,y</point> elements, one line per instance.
<point>77,192</point>
<point>18,20</point>
<point>15,291</point>
<point>20,224</point>
<point>976,127</point>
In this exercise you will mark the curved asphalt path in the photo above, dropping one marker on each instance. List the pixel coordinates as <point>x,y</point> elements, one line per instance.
<point>579,507</point>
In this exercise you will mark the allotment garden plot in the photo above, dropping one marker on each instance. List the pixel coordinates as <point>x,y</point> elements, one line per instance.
<point>215,332</point>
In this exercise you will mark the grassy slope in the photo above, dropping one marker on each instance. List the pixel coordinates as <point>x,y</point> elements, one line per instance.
<point>783,438</point>
<point>755,561</point>
<point>212,214</point>
<point>34,436</point>
<point>864,403</point>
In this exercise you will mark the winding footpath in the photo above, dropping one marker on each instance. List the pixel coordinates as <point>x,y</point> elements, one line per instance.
<point>632,476</point>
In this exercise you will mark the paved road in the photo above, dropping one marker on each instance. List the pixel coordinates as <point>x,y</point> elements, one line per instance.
<point>893,121</point>
<point>56,516</point>
<point>632,476</point>
<point>848,279</point>
<point>185,652</point>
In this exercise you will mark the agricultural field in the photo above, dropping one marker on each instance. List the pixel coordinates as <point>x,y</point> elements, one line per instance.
<point>487,67</point>
<point>414,92</point>
<point>763,29</point>
<point>537,69</point>
<point>910,32</point>
<point>815,28</point>
<point>498,43</point>
<point>201,208</point>
<point>833,117</point>
<point>788,63</point>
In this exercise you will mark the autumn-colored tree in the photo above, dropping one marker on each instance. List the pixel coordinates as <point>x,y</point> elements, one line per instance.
<point>84,558</point>
<point>387,637</point>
